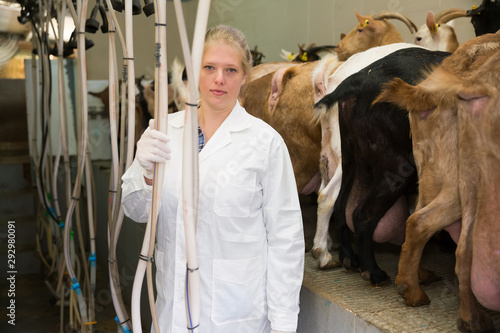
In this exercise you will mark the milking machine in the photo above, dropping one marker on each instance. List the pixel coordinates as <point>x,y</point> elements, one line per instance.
<point>64,257</point>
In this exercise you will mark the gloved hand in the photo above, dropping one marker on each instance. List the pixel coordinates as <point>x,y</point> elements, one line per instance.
<point>274,331</point>
<point>152,147</point>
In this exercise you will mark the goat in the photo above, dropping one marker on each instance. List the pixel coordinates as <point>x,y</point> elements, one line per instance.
<point>436,34</point>
<point>311,53</point>
<point>452,118</point>
<point>329,73</point>
<point>377,171</point>
<point>370,32</point>
<point>486,17</point>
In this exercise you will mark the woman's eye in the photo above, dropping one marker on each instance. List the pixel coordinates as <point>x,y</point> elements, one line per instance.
<point>232,70</point>
<point>209,67</point>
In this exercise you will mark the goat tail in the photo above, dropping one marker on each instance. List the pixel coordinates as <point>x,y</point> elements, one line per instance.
<point>179,87</point>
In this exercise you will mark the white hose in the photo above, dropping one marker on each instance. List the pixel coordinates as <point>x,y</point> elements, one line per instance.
<point>82,71</point>
<point>190,186</point>
<point>92,259</point>
<point>61,12</point>
<point>129,60</point>
<point>161,124</point>
<point>138,279</point>
<point>55,196</point>
<point>114,216</point>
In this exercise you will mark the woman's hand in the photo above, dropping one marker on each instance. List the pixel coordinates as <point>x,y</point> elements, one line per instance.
<point>152,147</point>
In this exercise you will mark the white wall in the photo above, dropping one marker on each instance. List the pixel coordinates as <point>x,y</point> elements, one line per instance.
<point>273,25</point>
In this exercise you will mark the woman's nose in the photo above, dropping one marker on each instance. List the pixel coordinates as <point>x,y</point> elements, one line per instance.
<point>219,77</point>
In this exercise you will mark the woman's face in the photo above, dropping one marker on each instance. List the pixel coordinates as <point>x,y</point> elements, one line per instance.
<point>221,76</point>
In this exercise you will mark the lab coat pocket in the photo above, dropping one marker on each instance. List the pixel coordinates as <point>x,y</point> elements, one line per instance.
<point>234,193</point>
<point>238,292</point>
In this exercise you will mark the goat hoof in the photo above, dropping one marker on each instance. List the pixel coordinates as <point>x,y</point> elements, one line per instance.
<point>431,279</point>
<point>335,246</point>
<point>426,277</point>
<point>401,288</point>
<point>463,326</point>
<point>316,252</point>
<point>330,264</point>
<point>483,324</point>
<point>350,264</point>
<point>378,278</point>
<point>417,303</point>
<point>416,298</point>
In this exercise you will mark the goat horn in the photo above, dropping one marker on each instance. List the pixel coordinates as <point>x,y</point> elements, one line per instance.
<point>452,15</point>
<point>393,15</point>
<point>445,12</point>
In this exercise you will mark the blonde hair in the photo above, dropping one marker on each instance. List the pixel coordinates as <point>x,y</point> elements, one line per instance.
<point>234,38</point>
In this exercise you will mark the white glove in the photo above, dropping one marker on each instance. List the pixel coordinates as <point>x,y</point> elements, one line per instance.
<point>274,331</point>
<point>152,147</point>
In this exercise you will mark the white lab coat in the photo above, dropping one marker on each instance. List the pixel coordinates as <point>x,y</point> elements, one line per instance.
<point>249,236</point>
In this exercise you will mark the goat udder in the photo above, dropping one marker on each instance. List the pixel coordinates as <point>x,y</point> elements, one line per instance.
<point>313,185</point>
<point>391,227</point>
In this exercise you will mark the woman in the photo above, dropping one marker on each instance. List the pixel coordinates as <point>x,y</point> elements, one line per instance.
<point>249,232</point>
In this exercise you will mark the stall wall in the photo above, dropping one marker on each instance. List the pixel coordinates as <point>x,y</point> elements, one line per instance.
<point>272,25</point>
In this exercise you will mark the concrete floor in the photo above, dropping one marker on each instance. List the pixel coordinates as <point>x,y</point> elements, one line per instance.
<point>341,301</point>
<point>36,311</point>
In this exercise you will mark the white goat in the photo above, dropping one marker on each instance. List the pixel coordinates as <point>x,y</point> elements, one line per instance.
<point>438,32</point>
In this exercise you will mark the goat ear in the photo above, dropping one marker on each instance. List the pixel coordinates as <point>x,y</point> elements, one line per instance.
<point>431,23</point>
<point>451,23</point>
<point>276,87</point>
<point>342,35</point>
<point>362,19</point>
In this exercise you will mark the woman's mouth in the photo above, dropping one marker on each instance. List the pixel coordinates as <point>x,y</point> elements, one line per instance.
<point>217,92</point>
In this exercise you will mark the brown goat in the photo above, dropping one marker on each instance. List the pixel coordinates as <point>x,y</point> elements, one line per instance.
<point>370,32</point>
<point>284,99</point>
<point>448,124</point>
